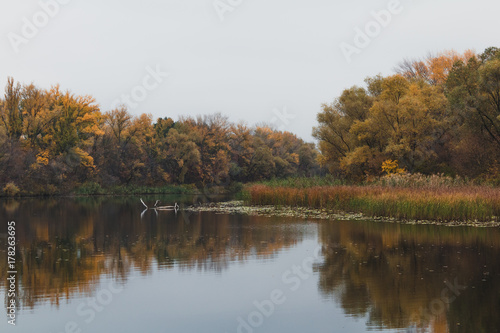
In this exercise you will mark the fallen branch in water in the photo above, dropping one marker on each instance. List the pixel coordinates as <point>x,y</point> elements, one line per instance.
<point>175,207</point>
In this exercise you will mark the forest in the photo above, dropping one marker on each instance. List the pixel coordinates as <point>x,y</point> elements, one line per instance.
<point>54,142</point>
<point>436,115</point>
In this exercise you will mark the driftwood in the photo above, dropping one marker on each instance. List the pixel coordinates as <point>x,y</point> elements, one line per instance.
<point>175,207</point>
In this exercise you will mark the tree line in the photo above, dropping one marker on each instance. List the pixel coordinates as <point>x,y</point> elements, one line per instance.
<point>52,141</point>
<point>438,114</point>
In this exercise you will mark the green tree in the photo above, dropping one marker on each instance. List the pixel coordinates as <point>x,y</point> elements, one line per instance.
<point>336,140</point>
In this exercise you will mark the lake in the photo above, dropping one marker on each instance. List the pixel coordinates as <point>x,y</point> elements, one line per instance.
<point>103,264</point>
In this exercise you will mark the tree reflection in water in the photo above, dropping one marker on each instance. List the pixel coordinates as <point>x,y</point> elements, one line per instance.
<point>395,274</point>
<point>67,245</point>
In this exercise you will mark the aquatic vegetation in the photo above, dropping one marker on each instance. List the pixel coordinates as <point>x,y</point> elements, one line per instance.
<point>460,203</point>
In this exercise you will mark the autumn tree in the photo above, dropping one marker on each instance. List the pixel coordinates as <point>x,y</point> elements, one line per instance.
<point>406,121</point>
<point>37,116</point>
<point>242,145</point>
<point>336,140</point>
<point>11,112</point>
<point>53,141</point>
<point>433,69</point>
<point>182,149</point>
<point>129,151</point>
<point>473,89</point>
<point>395,118</point>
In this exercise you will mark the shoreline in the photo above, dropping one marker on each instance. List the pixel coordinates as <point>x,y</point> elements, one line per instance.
<point>239,207</point>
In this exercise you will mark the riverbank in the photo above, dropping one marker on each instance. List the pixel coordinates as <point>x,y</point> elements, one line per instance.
<point>94,189</point>
<point>439,203</point>
<point>240,207</point>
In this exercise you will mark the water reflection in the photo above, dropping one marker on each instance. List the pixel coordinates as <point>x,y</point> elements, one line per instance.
<point>66,245</point>
<point>396,275</point>
<point>391,276</point>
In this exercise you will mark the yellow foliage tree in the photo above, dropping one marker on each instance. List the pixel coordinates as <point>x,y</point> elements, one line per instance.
<point>391,167</point>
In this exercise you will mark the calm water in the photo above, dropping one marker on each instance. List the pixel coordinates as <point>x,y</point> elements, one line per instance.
<point>96,265</point>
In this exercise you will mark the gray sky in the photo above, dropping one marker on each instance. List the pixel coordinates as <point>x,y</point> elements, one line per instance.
<point>273,61</point>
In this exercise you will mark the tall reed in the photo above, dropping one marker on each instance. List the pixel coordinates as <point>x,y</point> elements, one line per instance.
<point>459,203</point>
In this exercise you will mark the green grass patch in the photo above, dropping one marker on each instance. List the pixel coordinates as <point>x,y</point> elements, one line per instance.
<point>92,188</point>
<point>303,182</point>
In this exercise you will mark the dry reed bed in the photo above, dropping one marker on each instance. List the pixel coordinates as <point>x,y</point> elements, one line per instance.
<point>461,203</point>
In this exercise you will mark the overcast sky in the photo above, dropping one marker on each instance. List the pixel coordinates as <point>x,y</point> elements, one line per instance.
<point>273,61</point>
